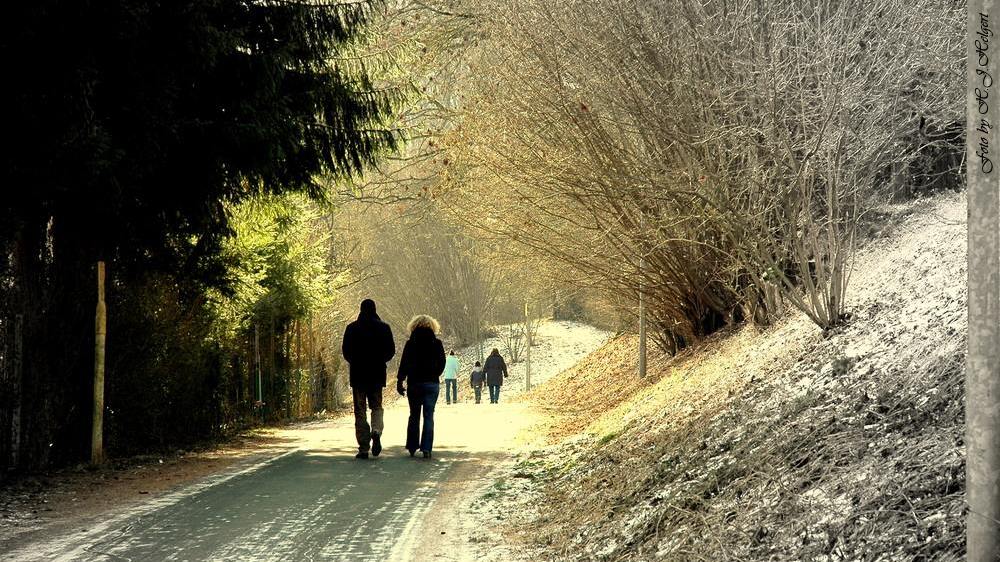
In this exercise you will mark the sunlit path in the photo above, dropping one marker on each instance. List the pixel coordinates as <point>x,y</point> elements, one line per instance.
<point>315,502</point>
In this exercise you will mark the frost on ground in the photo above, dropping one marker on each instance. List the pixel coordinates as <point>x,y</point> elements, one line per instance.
<point>785,443</point>
<point>475,522</point>
<point>56,502</point>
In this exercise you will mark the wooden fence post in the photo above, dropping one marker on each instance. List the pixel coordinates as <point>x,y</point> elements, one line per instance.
<point>100,335</point>
<point>527,347</point>
<point>642,324</point>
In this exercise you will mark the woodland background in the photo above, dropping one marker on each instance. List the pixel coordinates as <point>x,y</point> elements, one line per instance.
<point>250,170</point>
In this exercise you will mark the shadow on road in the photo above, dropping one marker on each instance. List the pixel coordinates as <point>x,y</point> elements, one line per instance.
<point>314,501</point>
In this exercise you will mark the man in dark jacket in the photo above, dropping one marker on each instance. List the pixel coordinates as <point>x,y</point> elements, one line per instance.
<point>496,370</point>
<point>368,346</point>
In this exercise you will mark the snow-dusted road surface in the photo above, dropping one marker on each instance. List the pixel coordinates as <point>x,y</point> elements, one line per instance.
<point>315,501</point>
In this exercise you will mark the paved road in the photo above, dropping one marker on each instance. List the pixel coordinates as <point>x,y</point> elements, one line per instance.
<point>314,502</point>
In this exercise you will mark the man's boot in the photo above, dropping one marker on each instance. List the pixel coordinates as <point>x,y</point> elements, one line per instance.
<point>376,444</point>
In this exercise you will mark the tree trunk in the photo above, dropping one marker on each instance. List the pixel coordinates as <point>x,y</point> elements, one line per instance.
<point>15,362</point>
<point>311,362</point>
<point>298,368</point>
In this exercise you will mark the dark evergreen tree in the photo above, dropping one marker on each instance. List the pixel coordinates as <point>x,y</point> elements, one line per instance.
<point>130,124</point>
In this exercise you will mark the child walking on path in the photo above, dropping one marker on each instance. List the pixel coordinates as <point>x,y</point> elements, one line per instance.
<point>476,381</point>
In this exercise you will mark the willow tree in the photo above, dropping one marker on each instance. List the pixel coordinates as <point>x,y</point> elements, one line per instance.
<point>704,154</point>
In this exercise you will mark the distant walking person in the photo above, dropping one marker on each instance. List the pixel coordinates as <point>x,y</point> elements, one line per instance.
<point>368,346</point>
<point>476,381</point>
<point>451,378</point>
<point>422,363</point>
<point>496,371</point>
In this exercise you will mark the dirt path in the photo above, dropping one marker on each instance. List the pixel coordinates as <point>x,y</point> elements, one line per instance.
<point>293,493</point>
<point>313,501</point>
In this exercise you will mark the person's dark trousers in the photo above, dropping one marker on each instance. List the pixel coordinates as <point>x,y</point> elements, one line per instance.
<point>422,397</point>
<point>365,398</point>
<point>494,393</point>
<point>451,390</point>
<point>478,389</point>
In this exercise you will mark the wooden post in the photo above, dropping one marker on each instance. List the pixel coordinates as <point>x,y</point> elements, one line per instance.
<point>982,387</point>
<point>100,335</point>
<point>479,333</point>
<point>642,326</point>
<point>527,348</point>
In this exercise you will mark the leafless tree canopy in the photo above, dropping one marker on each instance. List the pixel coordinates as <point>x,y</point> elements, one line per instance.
<point>412,262</point>
<point>716,156</point>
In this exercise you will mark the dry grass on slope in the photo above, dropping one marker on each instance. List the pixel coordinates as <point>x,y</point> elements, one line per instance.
<point>783,444</point>
<point>602,394</point>
<point>604,379</point>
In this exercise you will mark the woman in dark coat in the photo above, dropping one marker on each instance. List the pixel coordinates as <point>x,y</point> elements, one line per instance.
<point>422,363</point>
<point>496,370</point>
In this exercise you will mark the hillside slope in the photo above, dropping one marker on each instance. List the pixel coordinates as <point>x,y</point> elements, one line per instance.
<point>770,444</point>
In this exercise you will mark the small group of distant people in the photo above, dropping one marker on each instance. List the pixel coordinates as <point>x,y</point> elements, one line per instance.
<point>491,374</point>
<point>368,346</point>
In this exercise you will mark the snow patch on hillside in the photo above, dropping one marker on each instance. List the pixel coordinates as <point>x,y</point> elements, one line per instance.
<point>779,443</point>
